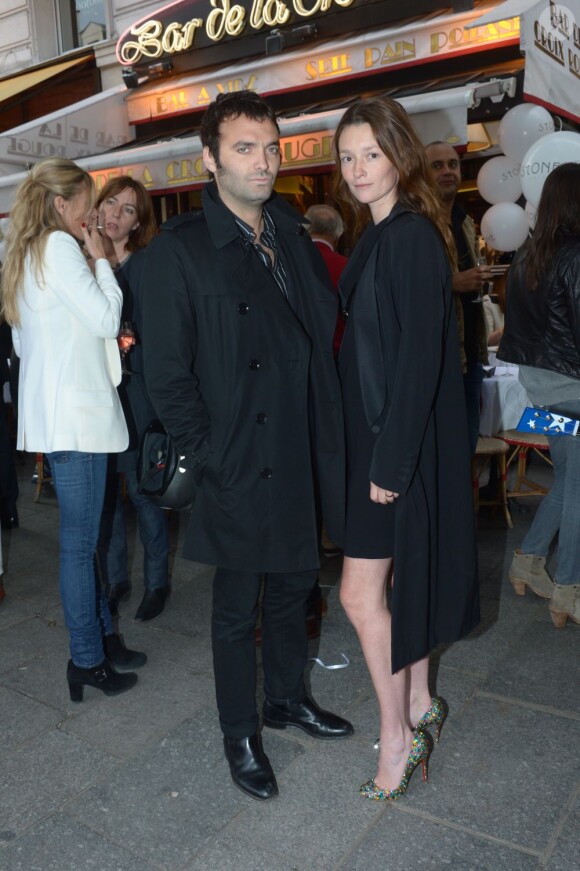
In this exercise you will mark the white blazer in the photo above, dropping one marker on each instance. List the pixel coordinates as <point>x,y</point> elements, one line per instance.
<point>69,359</point>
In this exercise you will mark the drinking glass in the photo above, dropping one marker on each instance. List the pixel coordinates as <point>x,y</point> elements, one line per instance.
<point>487,285</point>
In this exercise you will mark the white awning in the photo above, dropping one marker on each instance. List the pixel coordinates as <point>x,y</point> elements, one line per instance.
<point>91,126</point>
<point>505,11</point>
<point>306,142</point>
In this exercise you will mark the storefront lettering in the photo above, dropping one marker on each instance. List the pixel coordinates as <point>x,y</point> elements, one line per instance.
<point>458,36</point>
<point>186,171</point>
<point>549,43</point>
<point>182,100</point>
<point>391,53</point>
<point>47,131</point>
<point>106,140</point>
<point>559,20</point>
<point>34,148</point>
<point>79,134</point>
<point>300,150</point>
<point>143,175</point>
<point>574,63</point>
<point>269,13</point>
<point>327,67</point>
<point>151,38</point>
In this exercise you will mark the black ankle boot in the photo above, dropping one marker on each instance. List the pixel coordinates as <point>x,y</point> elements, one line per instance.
<point>101,677</point>
<point>250,767</point>
<point>121,656</point>
<point>116,593</point>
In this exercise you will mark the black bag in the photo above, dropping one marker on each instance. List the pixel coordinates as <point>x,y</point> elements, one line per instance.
<point>160,475</point>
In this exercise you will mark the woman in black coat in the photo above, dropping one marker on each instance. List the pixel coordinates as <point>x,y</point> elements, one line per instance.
<point>409,494</point>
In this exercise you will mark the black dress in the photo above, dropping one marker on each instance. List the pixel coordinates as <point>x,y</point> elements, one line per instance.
<point>370,526</point>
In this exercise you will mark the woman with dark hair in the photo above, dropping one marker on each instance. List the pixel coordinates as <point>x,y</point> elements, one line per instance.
<point>409,494</point>
<point>126,216</point>
<point>542,335</point>
<point>64,319</point>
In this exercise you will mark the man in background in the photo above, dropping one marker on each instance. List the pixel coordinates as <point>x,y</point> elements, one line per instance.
<point>468,280</point>
<point>326,227</point>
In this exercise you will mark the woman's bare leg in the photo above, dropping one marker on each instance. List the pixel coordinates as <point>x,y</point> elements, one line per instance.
<point>418,694</point>
<point>362,595</point>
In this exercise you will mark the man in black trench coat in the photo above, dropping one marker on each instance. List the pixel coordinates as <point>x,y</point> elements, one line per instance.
<point>239,366</point>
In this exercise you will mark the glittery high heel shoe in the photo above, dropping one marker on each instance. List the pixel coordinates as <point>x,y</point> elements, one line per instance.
<point>420,751</point>
<point>434,717</point>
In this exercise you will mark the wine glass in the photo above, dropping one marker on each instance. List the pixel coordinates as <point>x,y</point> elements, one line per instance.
<point>125,341</point>
<point>486,286</point>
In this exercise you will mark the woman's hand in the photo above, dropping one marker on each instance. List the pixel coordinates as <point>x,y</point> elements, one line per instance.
<point>383,497</point>
<point>94,242</point>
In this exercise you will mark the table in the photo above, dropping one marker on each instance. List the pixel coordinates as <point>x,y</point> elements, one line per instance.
<point>503,400</point>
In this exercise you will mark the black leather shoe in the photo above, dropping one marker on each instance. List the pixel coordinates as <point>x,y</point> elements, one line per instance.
<point>116,593</point>
<point>121,656</point>
<point>101,677</point>
<point>306,715</point>
<point>250,767</point>
<point>152,603</point>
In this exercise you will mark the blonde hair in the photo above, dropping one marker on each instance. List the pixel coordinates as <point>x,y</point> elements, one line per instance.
<point>32,218</point>
<point>397,139</point>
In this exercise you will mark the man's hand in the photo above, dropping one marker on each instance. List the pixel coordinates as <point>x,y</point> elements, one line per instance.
<point>383,497</point>
<point>472,280</point>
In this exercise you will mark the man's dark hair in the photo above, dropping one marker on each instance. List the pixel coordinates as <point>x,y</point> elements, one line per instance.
<point>232,105</point>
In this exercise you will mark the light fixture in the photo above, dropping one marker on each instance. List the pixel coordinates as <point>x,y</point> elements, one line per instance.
<point>278,40</point>
<point>159,69</point>
<point>130,77</point>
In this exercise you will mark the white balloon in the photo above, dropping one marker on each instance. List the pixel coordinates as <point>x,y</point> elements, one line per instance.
<point>521,127</point>
<point>498,180</point>
<point>505,227</point>
<point>544,156</point>
<point>531,214</point>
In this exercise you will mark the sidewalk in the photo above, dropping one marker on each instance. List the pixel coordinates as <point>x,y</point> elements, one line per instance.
<point>138,782</point>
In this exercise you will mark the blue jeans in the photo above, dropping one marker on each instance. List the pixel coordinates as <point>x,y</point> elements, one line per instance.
<point>79,480</point>
<point>153,531</point>
<point>559,511</point>
<point>472,381</point>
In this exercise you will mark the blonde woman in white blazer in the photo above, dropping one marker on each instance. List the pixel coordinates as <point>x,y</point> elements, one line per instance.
<point>65,319</point>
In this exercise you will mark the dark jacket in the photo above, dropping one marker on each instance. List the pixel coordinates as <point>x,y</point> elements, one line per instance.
<point>247,386</point>
<point>412,391</point>
<point>137,406</point>
<point>542,326</point>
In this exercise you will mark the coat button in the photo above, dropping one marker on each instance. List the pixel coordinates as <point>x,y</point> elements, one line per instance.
<point>243,308</point>
<point>266,473</point>
<point>254,365</point>
<point>261,417</point>
<point>375,428</point>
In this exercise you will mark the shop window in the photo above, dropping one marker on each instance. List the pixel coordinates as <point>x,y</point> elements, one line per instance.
<point>83,22</point>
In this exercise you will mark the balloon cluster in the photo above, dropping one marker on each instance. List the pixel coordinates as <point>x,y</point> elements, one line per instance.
<point>531,151</point>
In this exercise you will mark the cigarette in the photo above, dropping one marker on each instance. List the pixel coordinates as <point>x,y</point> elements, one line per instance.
<point>100,227</point>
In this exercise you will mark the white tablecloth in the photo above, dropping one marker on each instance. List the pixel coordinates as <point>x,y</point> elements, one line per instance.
<point>503,401</point>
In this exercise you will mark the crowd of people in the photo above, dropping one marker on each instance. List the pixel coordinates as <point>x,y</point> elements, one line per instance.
<point>305,392</point>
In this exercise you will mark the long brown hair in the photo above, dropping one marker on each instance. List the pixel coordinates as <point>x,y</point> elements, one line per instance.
<point>558,218</point>
<point>33,218</point>
<point>399,142</point>
<point>147,227</point>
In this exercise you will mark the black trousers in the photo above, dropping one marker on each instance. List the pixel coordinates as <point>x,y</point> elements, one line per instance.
<point>8,477</point>
<point>284,643</point>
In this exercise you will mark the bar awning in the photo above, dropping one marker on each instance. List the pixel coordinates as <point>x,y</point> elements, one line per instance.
<point>91,126</point>
<point>306,142</point>
<point>14,85</point>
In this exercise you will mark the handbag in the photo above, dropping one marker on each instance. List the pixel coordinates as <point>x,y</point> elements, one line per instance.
<point>161,474</point>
